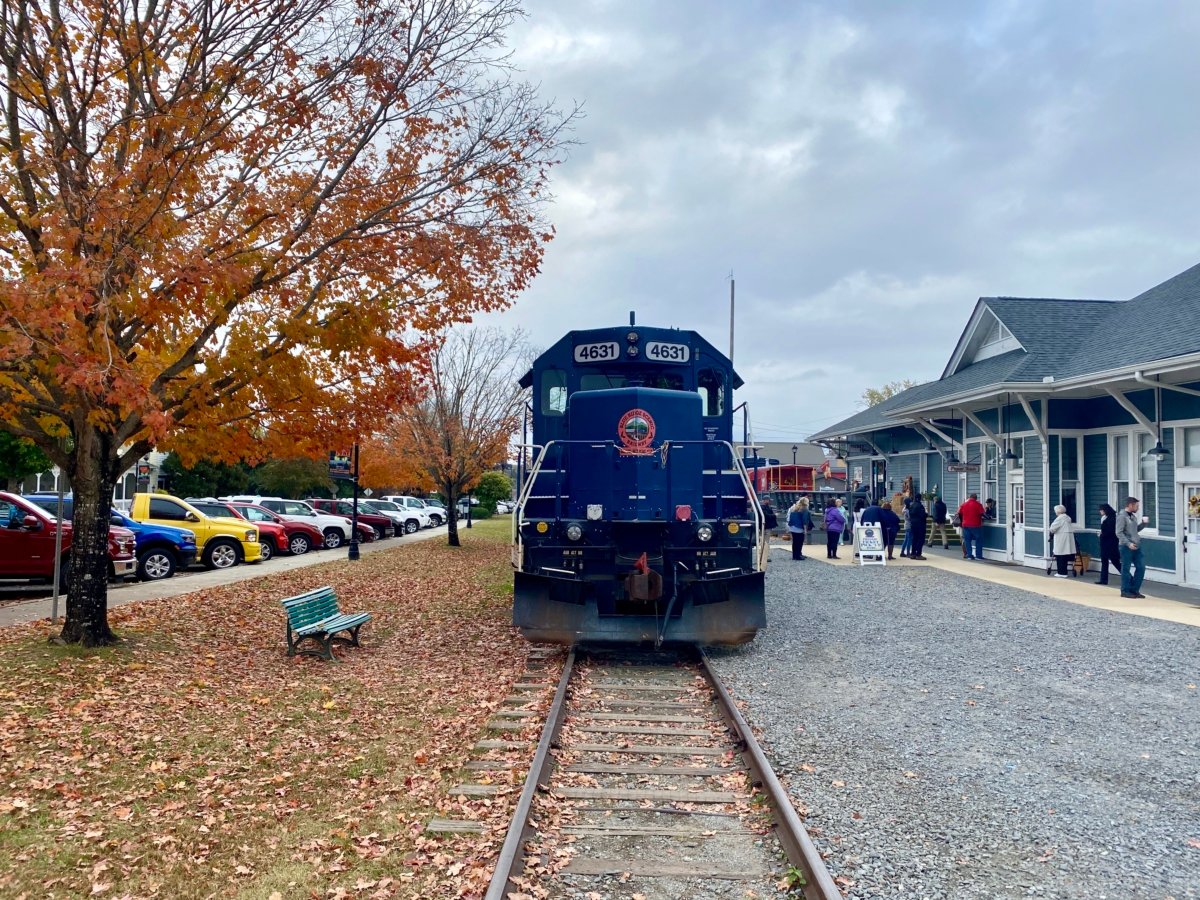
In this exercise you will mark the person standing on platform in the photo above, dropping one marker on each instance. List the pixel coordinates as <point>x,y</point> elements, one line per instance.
<point>1064,540</point>
<point>918,521</point>
<point>940,521</point>
<point>851,518</point>
<point>906,544</point>
<point>890,522</point>
<point>835,524</point>
<point>971,513</point>
<point>1133,564</point>
<point>1110,547</point>
<point>799,523</point>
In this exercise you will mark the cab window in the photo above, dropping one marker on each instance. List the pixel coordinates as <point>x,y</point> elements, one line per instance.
<point>167,509</point>
<point>711,387</point>
<point>554,392</point>
<point>598,382</point>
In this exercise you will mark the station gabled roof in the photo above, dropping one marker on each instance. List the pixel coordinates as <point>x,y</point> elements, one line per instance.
<point>1037,344</point>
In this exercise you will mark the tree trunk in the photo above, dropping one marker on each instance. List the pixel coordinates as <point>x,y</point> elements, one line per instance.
<point>451,495</point>
<point>93,477</point>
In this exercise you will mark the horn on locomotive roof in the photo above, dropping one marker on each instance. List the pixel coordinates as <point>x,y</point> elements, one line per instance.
<point>631,317</point>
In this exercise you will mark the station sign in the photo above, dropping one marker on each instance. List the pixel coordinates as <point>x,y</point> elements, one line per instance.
<point>962,467</point>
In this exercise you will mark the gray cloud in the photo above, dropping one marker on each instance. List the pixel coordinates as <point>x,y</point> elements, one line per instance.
<point>866,169</point>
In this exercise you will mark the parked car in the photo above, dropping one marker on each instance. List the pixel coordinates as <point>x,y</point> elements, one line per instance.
<point>383,525</point>
<point>335,529</point>
<point>223,541</point>
<point>301,536</point>
<point>161,550</point>
<point>404,516</point>
<point>503,506</point>
<point>435,515</point>
<point>272,537</point>
<point>27,544</point>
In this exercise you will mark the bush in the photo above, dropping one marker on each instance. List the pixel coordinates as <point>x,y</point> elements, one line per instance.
<point>478,512</point>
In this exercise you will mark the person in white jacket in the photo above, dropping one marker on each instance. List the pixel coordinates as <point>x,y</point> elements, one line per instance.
<point>1064,540</point>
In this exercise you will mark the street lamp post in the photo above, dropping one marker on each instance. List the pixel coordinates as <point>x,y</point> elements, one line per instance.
<point>794,449</point>
<point>353,552</point>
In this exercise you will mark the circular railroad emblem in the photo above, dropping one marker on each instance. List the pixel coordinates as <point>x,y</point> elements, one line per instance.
<point>636,431</point>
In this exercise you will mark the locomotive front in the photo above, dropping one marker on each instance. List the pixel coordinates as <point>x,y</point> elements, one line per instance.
<point>636,521</point>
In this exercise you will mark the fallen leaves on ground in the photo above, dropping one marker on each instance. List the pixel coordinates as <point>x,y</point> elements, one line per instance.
<point>198,759</point>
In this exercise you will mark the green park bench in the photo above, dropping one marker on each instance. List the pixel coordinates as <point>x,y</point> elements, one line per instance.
<point>314,615</point>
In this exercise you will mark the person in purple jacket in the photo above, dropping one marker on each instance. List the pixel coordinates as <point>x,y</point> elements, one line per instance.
<point>835,523</point>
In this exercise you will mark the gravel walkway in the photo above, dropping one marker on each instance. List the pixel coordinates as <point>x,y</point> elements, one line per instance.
<point>952,738</point>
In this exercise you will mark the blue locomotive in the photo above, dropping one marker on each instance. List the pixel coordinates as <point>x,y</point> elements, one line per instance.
<point>636,520</point>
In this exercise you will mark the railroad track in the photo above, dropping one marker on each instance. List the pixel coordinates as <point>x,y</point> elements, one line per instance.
<point>648,783</point>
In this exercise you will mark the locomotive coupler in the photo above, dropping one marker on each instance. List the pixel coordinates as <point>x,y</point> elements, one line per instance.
<point>643,583</point>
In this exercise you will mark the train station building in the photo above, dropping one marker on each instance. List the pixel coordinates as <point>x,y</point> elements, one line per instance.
<point>1046,401</point>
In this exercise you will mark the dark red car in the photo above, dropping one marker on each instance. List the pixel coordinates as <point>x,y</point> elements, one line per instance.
<point>382,525</point>
<point>300,536</point>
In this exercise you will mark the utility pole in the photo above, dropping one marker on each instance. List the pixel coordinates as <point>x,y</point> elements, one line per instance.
<point>731,285</point>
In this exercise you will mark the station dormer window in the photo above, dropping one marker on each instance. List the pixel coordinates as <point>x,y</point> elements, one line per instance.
<point>553,392</point>
<point>711,387</point>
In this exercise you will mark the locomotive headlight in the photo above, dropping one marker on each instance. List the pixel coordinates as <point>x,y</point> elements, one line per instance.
<point>704,532</point>
<point>574,532</point>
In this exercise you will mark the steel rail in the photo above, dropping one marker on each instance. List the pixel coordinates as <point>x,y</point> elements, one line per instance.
<point>539,773</point>
<point>798,846</point>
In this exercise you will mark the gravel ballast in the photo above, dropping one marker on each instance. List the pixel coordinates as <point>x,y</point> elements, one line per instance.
<point>952,738</point>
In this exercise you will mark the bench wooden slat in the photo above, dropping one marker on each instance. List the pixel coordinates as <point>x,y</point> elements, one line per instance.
<point>310,614</point>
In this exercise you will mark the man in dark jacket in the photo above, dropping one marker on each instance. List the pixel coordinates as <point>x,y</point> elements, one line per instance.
<point>940,522</point>
<point>891,527</point>
<point>918,519</point>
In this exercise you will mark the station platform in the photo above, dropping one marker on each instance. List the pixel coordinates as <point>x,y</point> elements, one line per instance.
<point>1168,602</point>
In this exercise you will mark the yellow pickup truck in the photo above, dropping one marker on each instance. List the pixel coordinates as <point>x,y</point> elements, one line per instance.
<point>221,542</point>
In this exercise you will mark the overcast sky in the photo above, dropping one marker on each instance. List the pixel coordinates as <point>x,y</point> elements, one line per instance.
<point>867,170</point>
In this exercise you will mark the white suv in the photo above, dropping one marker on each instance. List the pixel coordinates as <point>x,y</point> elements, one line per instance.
<point>436,516</point>
<point>335,528</point>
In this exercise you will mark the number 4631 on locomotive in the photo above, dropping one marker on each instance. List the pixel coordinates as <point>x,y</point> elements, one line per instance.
<point>636,520</point>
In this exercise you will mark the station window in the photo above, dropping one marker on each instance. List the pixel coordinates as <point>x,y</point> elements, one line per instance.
<point>1069,476</point>
<point>711,388</point>
<point>554,392</point>
<point>1148,478</point>
<point>990,472</point>
<point>1191,446</point>
<point>1119,470</point>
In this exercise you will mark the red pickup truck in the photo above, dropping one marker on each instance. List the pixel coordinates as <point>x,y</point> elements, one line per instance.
<point>27,543</point>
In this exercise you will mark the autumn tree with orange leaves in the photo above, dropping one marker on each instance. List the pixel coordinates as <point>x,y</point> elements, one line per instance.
<point>229,225</point>
<point>471,410</point>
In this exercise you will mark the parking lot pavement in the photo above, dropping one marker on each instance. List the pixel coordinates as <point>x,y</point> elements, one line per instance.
<point>1167,602</point>
<point>197,579</point>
